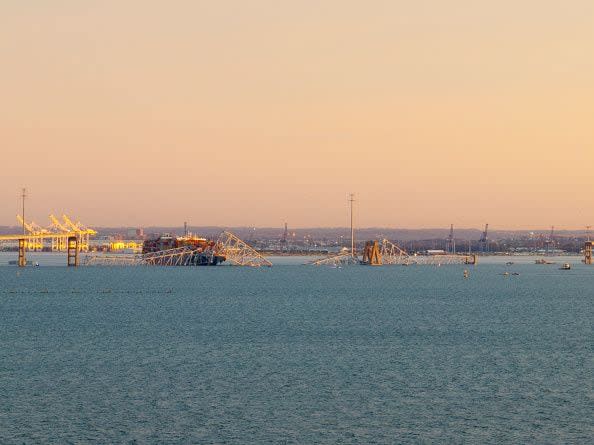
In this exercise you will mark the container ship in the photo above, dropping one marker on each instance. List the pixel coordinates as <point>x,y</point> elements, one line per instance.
<point>200,251</point>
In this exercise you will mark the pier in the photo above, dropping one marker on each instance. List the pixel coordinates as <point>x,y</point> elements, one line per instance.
<point>588,252</point>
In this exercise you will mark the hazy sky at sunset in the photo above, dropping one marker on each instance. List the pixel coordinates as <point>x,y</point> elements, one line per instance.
<point>137,112</point>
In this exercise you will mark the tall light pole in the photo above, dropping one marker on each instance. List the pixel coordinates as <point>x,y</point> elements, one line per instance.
<point>23,196</point>
<point>351,201</point>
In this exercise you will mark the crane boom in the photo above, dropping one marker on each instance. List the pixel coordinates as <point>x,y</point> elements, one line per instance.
<point>70,224</point>
<point>28,226</point>
<point>58,224</point>
<point>484,235</point>
<point>484,240</point>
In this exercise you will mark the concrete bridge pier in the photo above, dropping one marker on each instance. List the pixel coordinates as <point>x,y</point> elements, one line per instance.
<point>22,247</point>
<point>72,251</point>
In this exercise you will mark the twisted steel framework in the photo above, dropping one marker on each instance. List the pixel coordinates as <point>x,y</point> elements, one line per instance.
<point>392,254</point>
<point>236,252</point>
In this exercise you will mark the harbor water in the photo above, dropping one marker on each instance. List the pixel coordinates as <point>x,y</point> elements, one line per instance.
<point>297,354</point>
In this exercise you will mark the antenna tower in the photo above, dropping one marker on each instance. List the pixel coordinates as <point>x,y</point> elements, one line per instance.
<point>23,196</point>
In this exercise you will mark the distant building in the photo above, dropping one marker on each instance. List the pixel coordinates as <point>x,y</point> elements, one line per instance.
<point>135,233</point>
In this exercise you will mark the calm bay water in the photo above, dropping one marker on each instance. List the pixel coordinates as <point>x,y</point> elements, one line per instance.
<point>297,354</point>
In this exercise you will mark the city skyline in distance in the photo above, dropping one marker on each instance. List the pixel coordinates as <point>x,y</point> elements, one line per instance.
<point>43,220</point>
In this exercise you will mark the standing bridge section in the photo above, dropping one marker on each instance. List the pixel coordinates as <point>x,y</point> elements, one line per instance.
<point>389,253</point>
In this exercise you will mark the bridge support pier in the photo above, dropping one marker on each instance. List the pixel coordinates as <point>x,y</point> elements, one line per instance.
<point>371,254</point>
<point>471,259</point>
<point>22,259</point>
<point>588,252</point>
<point>72,251</point>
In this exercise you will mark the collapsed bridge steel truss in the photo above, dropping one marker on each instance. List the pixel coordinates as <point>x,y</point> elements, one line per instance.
<point>236,252</point>
<point>389,253</point>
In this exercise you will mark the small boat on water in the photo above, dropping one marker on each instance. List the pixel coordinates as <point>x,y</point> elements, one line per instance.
<point>543,261</point>
<point>509,263</point>
<point>565,266</point>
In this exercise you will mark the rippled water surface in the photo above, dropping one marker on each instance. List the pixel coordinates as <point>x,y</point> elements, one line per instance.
<point>297,354</point>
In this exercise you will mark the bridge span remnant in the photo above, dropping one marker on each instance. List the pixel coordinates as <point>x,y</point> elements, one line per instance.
<point>389,253</point>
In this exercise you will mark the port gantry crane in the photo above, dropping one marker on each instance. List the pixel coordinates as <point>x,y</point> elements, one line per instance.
<point>550,242</point>
<point>32,242</point>
<point>57,233</point>
<point>59,241</point>
<point>484,240</point>
<point>450,241</point>
<point>82,233</point>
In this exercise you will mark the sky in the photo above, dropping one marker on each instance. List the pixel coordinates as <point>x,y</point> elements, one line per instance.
<point>253,113</point>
